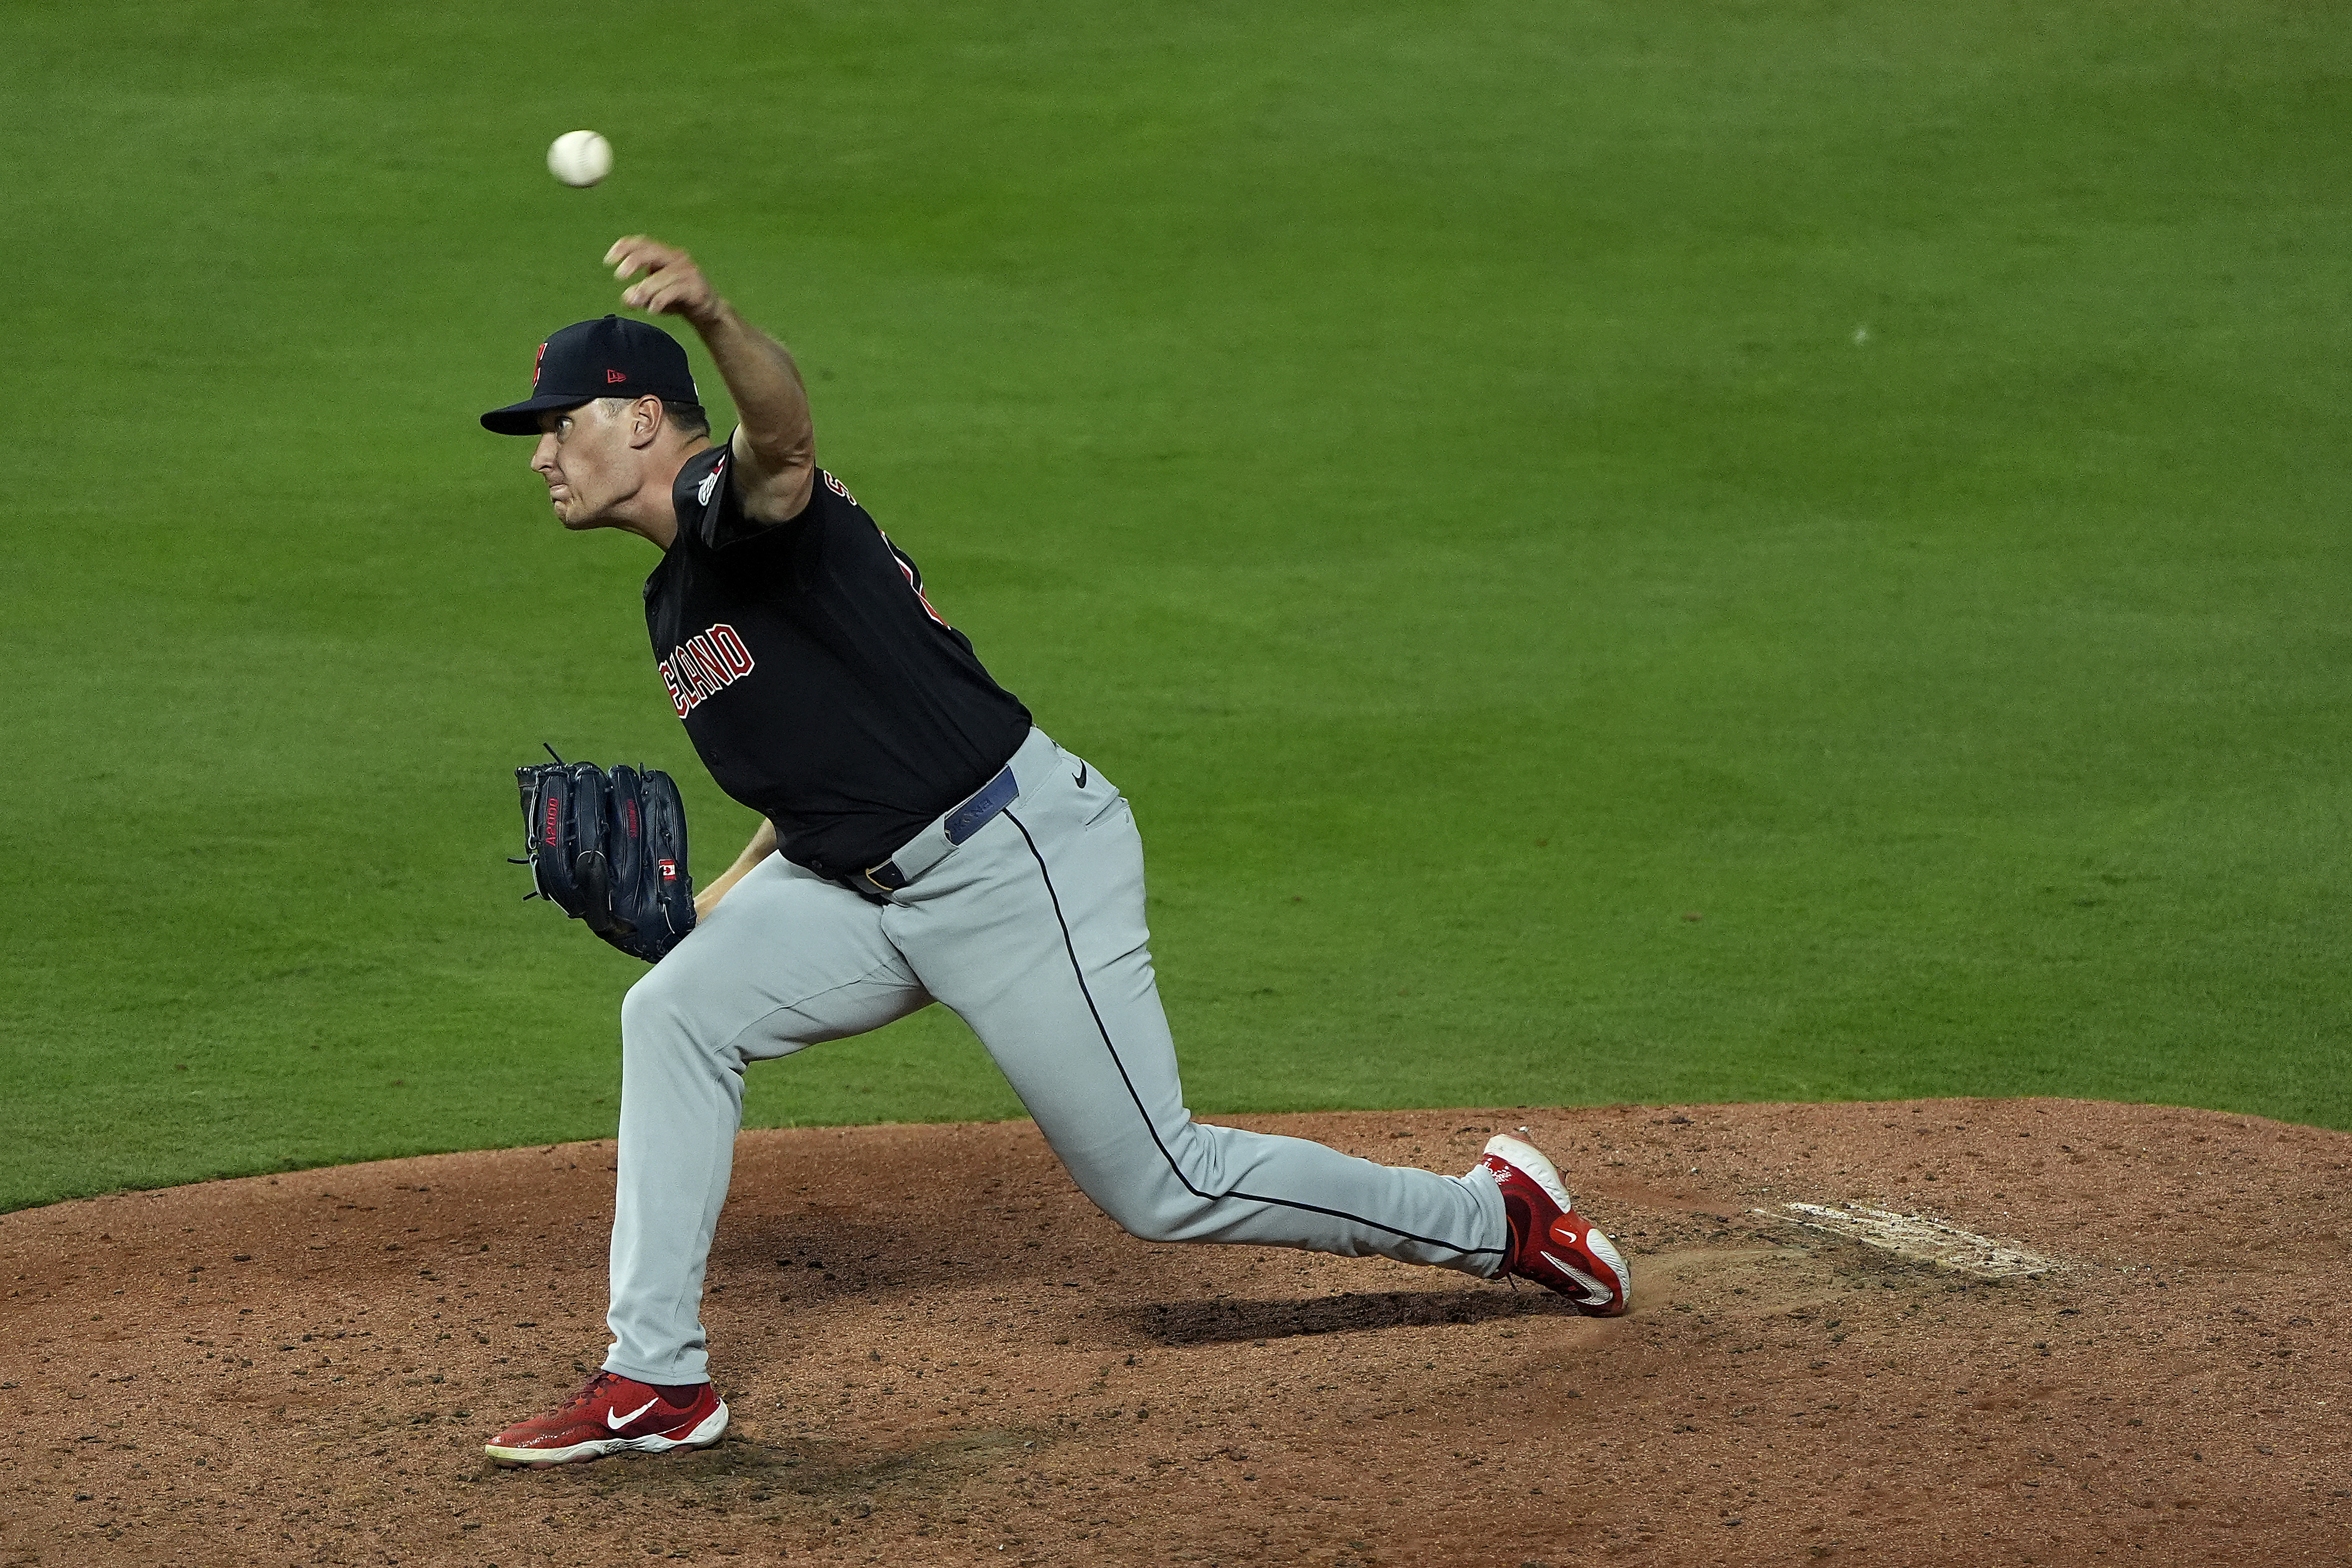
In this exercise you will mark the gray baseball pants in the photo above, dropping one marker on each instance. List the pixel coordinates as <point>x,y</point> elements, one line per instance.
<point>1032,930</point>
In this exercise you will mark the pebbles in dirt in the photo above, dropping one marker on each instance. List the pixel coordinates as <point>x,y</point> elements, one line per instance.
<point>938,1351</point>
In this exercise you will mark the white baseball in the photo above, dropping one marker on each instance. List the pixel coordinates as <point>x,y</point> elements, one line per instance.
<point>580,158</point>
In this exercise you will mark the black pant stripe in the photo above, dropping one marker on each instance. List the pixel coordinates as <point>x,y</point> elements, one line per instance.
<point>1078,970</point>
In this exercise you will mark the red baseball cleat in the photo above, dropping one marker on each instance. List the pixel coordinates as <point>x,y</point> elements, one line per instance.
<point>1552,1244</point>
<point>614,1415</point>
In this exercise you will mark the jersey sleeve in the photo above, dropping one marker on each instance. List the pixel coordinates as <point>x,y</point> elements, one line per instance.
<point>709,506</point>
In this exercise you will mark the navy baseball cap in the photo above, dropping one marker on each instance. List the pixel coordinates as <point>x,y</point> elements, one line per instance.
<point>614,357</point>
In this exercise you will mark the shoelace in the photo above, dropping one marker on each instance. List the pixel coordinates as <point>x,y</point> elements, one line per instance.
<point>595,1385</point>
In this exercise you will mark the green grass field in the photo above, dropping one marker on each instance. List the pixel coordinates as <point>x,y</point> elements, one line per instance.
<point>1493,482</point>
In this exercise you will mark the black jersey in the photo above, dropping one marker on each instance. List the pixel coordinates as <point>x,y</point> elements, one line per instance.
<point>816,682</point>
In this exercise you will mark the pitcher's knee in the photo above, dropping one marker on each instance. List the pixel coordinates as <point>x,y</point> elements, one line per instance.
<point>657,1014</point>
<point>1161,1210</point>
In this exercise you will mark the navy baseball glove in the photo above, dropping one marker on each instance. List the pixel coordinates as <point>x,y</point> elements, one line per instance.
<point>609,849</point>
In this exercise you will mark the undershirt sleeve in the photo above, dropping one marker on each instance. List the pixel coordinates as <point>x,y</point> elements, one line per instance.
<point>720,521</point>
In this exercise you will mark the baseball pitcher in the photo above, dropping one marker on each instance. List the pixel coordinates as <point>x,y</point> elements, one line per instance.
<point>923,841</point>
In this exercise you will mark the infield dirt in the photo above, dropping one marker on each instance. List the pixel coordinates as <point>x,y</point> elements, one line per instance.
<point>938,1351</point>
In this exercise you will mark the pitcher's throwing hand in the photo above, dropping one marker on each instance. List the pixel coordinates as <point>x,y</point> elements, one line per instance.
<point>674,285</point>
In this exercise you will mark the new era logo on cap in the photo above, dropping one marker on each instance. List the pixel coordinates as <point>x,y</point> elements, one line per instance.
<point>587,360</point>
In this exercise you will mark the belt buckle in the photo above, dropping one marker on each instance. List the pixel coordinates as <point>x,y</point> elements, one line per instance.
<point>874,874</point>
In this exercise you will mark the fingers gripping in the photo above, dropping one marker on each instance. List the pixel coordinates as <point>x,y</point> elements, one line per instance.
<point>673,283</point>
<point>632,253</point>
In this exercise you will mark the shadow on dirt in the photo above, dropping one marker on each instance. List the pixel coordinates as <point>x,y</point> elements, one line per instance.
<point>791,1478</point>
<point>826,1257</point>
<point>1222,1322</point>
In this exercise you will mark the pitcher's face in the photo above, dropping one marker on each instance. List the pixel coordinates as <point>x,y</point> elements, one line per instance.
<point>586,458</point>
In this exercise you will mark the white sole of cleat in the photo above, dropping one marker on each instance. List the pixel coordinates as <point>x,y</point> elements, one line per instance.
<point>702,1436</point>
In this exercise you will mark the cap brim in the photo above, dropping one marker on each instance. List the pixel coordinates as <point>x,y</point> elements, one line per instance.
<point>523,418</point>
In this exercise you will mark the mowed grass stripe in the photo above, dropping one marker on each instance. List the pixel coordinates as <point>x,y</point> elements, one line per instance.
<point>1489,483</point>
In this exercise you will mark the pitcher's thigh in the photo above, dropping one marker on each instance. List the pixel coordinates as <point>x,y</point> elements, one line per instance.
<point>1036,938</point>
<point>786,960</point>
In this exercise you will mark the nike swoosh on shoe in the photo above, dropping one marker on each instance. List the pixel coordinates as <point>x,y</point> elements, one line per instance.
<point>1596,1293</point>
<point>616,1421</point>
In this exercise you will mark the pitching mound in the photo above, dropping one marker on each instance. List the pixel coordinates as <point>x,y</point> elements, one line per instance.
<point>937,1352</point>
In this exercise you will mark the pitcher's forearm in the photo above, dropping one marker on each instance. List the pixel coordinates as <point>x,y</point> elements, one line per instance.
<point>775,439</point>
<point>762,845</point>
<point>774,431</point>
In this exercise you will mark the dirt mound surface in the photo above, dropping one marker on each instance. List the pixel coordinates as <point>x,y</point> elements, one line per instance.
<point>938,1351</point>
